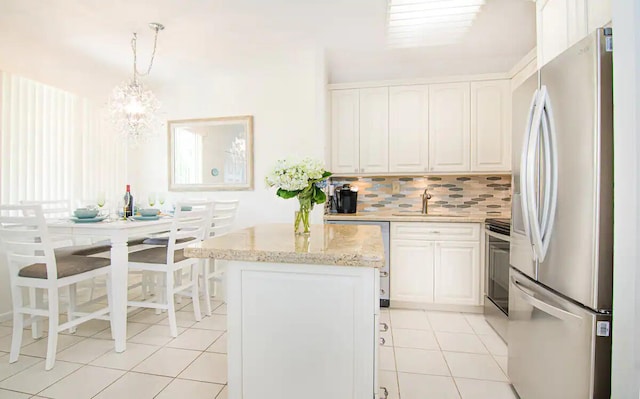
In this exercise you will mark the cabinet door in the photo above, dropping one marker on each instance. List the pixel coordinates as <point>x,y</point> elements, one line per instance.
<point>374,130</point>
<point>449,133</point>
<point>457,273</point>
<point>490,126</point>
<point>408,128</point>
<point>411,271</point>
<point>553,30</point>
<point>345,129</point>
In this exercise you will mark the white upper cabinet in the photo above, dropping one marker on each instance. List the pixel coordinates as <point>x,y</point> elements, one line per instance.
<point>490,126</point>
<point>562,23</point>
<point>345,131</point>
<point>449,133</point>
<point>374,130</point>
<point>408,128</point>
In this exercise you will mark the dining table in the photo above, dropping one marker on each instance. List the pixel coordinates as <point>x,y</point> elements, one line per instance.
<point>118,233</point>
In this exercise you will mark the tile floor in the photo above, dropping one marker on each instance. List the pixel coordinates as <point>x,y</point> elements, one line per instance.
<point>427,355</point>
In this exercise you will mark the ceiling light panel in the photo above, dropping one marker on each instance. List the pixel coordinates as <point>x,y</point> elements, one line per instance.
<point>415,22</point>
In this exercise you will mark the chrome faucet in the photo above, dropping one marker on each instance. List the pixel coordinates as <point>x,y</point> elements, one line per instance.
<point>425,201</point>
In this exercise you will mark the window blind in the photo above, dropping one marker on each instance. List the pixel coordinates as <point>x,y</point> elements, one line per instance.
<point>55,145</point>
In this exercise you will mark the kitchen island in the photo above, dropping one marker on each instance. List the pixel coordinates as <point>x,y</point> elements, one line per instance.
<point>302,311</point>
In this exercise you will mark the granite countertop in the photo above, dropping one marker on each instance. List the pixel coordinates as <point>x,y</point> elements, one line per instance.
<point>399,216</point>
<point>328,244</point>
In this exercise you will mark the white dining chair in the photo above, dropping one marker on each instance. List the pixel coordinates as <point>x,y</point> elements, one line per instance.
<point>34,265</point>
<point>188,227</point>
<point>223,218</point>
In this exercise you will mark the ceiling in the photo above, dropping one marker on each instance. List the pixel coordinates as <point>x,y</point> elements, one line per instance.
<point>86,42</point>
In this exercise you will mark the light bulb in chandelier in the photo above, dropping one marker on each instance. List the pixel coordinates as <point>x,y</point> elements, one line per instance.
<point>133,107</point>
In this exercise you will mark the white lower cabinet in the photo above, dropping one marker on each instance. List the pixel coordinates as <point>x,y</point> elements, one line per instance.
<point>432,265</point>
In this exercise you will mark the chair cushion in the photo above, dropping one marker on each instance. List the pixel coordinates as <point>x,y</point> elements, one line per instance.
<point>155,255</point>
<point>165,240</point>
<point>68,265</point>
<point>82,250</point>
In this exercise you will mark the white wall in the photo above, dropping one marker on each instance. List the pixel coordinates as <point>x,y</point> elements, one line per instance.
<point>626,277</point>
<point>285,95</point>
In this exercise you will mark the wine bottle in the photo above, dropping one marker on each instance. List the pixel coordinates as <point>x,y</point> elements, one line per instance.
<point>128,200</point>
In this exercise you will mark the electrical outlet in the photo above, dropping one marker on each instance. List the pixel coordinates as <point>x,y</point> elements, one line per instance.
<point>395,187</point>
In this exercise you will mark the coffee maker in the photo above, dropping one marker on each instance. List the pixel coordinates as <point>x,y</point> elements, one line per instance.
<point>346,199</point>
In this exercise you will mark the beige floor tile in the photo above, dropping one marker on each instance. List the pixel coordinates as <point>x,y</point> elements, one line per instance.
<point>133,329</point>
<point>478,323</point>
<point>421,361</point>
<point>39,347</point>
<point>222,309</point>
<point>148,316</point>
<point>387,360</point>
<point>155,335</point>
<point>167,361</point>
<point>4,394</point>
<point>412,319</point>
<point>220,346</point>
<point>494,344</point>
<point>223,394</point>
<point>179,388</point>
<point>449,322</point>
<point>389,380</point>
<point>126,360</point>
<point>36,378</point>
<point>417,386</point>
<point>183,319</point>
<point>195,339</point>
<point>502,362</point>
<point>85,383</point>
<point>136,386</point>
<point>8,369</point>
<point>460,342</point>
<point>420,339</point>
<point>209,367</point>
<point>479,389</point>
<point>469,365</point>
<point>5,342</point>
<point>5,331</point>
<point>89,328</point>
<point>86,351</point>
<point>214,322</point>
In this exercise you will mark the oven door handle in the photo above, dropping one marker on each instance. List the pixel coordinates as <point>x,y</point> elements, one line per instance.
<point>497,235</point>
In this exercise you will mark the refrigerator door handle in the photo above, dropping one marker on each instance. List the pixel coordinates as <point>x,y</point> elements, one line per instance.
<point>543,306</point>
<point>551,174</point>
<point>532,155</point>
<point>524,175</point>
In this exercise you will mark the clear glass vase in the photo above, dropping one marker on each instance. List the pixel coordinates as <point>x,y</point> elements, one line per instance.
<point>301,223</point>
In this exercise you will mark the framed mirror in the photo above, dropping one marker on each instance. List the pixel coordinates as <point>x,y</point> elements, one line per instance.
<point>211,154</point>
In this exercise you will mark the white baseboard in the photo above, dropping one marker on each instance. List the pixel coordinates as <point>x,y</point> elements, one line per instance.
<point>395,304</point>
<point>5,316</point>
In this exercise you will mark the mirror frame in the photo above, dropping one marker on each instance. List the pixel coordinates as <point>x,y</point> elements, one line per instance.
<point>247,120</point>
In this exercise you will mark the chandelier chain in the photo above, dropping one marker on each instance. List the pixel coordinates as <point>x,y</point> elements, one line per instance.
<point>136,73</point>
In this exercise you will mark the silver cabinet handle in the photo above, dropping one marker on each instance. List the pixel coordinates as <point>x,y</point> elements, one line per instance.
<point>385,393</point>
<point>384,274</point>
<point>382,341</point>
<point>362,170</point>
<point>384,327</point>
<point>356,170</point>
<point>435,232</point>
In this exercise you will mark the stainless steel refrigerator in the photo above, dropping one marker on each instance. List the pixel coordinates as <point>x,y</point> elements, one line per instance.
<point>561,254</point>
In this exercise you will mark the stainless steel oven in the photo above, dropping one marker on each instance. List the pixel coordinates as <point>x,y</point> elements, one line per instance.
<point>496,303</point>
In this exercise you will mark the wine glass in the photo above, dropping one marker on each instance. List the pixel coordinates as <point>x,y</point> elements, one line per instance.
<point>152,199</point>
<point>161,199</point>
<point>101,201</point>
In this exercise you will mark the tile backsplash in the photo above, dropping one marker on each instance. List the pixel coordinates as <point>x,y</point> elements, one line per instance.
<point>489,194</point>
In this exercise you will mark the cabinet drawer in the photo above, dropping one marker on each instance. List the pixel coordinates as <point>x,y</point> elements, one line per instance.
<point>436,231</point>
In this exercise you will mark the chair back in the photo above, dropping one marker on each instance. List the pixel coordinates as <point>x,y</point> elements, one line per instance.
<point>52,208</point>
<point>25,240</point>
<point>224,215</point>
<point>190,226</point>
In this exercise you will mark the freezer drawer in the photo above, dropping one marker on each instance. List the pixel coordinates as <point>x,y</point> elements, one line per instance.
<point>557,349</point>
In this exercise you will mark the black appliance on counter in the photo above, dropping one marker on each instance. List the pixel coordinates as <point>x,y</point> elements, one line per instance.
<point>496,304</point>
<point>346,199</point>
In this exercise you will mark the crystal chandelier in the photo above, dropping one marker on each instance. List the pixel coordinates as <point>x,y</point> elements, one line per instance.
<point>133,107</point>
